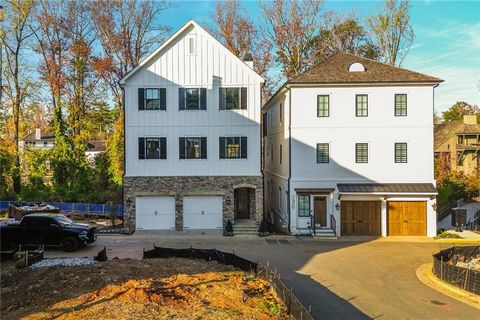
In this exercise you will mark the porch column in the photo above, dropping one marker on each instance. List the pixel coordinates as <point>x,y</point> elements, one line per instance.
<point>384,217</point>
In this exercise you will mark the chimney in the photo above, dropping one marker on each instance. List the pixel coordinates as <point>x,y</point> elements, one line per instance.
<point>248,59</point>
<point>38,134</point>
<point>470,119</point>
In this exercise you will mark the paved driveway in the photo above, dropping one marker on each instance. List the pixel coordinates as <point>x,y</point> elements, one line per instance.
<point>361,279</point>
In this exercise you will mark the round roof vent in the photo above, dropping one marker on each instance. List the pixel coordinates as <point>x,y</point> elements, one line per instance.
<point>356,67</point>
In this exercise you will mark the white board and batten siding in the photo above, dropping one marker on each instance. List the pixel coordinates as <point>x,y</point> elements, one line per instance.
<point>210,66</point>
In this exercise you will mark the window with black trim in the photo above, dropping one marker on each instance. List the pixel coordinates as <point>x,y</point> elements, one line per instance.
<point>193,148</point>
<point>280,154</point>
<point>361,105</point>
<point>192,98</point>
<point>233,98</point>
<point>323,106</point>
<point>152,99</point>
<point>361,152</point>
<point>152,148</point>
<point>400,105</point>
<point>304,205</point>
<point>280,107</point>
<point>400,152</point>
<point>323,153</point>
<point>233,147</point>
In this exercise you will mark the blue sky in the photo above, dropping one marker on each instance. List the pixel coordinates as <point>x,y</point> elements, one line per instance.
<point>447,43</point>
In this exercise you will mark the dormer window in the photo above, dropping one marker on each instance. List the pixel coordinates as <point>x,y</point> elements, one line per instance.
<point>356,67</point>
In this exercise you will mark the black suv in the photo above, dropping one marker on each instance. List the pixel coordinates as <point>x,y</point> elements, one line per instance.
<point>47,229</point>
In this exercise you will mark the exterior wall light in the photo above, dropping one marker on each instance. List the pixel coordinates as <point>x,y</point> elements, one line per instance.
<point>337,206</point>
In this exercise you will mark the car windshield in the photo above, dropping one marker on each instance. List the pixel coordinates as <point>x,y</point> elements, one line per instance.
<point>63,220</point>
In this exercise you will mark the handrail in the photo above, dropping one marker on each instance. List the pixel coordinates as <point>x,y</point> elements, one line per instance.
<point>333,224</point>
<point>444,211</point>
<point>312,223</point>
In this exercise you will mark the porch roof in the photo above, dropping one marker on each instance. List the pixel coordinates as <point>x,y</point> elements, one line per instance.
<point>387,188</point>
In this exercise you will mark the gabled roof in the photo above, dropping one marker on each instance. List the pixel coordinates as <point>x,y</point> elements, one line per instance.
<point>444,131</point>
<point>336,70</point>
<point>43,136</point>
<point>170,40</point>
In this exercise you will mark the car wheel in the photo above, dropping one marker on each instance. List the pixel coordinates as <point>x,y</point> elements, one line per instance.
<point>70,244</point>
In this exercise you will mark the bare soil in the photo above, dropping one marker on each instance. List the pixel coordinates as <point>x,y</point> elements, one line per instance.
<point>137,289</point>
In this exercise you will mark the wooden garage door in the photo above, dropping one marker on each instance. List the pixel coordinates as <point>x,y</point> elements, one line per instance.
<point>407,218</point>
<point>360,217</point>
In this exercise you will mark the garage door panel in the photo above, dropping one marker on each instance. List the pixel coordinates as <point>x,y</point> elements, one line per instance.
<point>155,212</point>
<point>360,217</point>
<point>407,218</point>
<point>203,212</point>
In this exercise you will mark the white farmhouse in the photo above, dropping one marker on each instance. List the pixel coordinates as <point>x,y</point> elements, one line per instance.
<point>348,150</point>
<point>192,136</point>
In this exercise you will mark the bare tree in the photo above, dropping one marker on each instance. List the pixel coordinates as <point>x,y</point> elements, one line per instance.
<point>238,33</point>
<point>392,31</point>
<point>291,28</point>
<point>127,31</point>
<point>14,39</point>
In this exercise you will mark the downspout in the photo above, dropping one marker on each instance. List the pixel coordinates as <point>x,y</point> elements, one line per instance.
<point>122,87</point>
<point>289,154</point>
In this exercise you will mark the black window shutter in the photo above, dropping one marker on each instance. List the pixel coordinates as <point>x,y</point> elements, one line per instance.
<point>141,148</point>
<point>182,148</point>
<point>163,148</point>
<point>203,99</point>
<point>222,148</point>
<point>141,100</point>
<point>163,99</point>
<point>243,145</point>
<point>244,98</point>
<point>181,98</point>
<point>221,102</point>
<point>203,147</point>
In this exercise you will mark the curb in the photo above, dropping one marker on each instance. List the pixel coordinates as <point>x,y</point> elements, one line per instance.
<point>426,276</point>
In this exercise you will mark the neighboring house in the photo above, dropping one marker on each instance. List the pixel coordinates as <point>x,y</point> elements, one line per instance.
<point>458,143</point>
<point>192,136</point>
<point>37,140</point>
<point>94,148</point>
<point>348,146</point>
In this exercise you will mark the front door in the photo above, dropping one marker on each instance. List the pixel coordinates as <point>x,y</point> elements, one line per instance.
<point>242,203</point>
<point>320,210</point>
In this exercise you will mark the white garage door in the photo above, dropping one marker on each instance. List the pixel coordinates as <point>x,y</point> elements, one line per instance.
<point>202,212</point>
<point>155,212</point>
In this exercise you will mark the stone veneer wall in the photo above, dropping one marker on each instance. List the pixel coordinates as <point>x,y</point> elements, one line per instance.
<point>184,186</point>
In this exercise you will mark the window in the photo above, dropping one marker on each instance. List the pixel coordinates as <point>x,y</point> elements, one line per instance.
<point>361,102</point>
<point>280,158</point>
<point>45,143</point>
<point>361,152</point>
<point>281,112</point>
<point>233,98</point>
<point>271,153</point>
<point>152,148</point>
<point>322,153</point>
<point>400,152</point>
<point>304,206</point>
<point>460,158</point>
<point>400,105</point>
<point>193,148</point>
<point>233,147</point>
<point>191,45</point>
<point>323,108</point>
<point>192,98</point>
<point>152,99</point>
<point>279,199</point>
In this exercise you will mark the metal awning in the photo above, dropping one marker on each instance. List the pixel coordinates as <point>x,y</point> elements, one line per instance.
<point>314,190</point>
<point>387,188</point>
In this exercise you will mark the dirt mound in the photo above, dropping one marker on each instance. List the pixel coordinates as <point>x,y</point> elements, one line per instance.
<point>148,289</point>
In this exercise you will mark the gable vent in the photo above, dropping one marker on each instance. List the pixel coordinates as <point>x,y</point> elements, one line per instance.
<point>356,67</point>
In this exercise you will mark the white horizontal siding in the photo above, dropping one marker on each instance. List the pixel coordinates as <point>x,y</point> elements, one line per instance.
<point>211,67</point>
<point>381,129</point>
